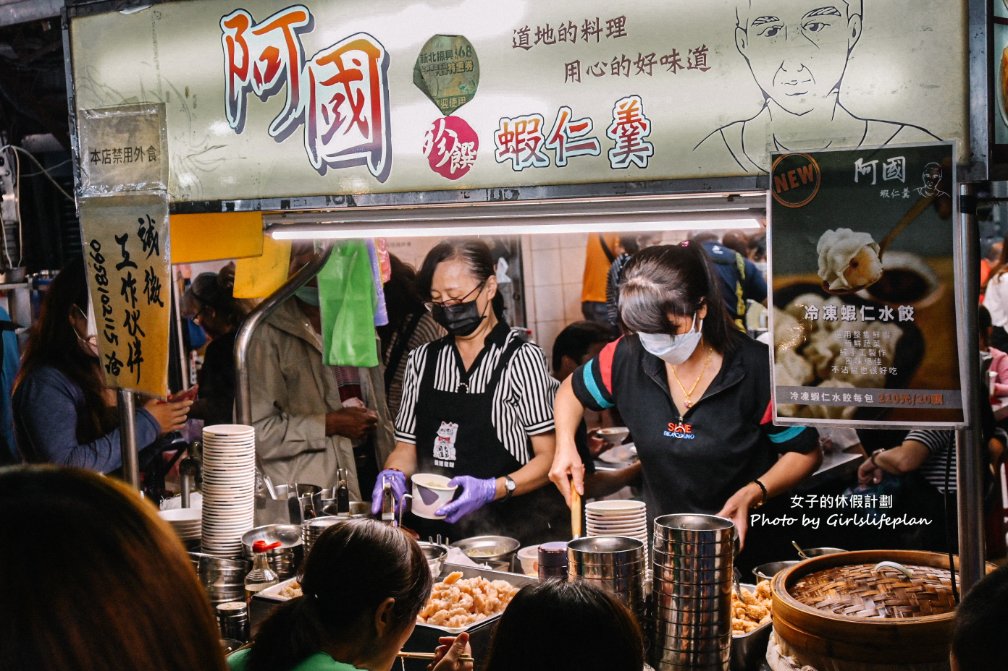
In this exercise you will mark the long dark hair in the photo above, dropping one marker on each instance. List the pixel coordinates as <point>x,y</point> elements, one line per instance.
<point>351,569</point>
<point>474,253</point>
<point>1002,264</point>
<point>561,625</point>
<point>53,342</point>
<point>402,299</point>
<point>109,587</point>
<point>674,279</point>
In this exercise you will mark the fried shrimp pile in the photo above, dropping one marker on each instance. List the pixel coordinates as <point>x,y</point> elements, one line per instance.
<point>752,610</point>
<point>459,602</point>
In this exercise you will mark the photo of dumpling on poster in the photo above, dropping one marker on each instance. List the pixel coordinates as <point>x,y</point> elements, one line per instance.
<point>862,260</point>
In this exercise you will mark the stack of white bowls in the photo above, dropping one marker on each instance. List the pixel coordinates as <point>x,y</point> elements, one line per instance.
<point>619,518</point>
<point>186,522</point>
<point>228,487</point>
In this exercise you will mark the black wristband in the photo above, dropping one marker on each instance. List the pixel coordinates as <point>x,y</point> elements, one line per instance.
<point>763,490</point>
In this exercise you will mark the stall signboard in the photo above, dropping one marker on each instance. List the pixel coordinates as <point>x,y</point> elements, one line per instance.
<point>122,149</point>
<point>863,258</point>
<point>267,99</point>
<point>126,249</point>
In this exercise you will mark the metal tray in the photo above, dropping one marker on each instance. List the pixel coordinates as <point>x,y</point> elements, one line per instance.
<point>425,636</point>
<point>515,579</point>
<point>749,650</point>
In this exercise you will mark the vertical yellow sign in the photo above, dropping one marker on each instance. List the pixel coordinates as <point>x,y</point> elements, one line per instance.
<point>126,247</point>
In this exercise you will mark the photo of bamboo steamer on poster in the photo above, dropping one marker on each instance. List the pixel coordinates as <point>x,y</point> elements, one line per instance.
<point>863,252</point>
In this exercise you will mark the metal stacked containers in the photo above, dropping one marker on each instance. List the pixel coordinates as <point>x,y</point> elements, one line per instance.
<point>615,563</point>
<point>693,561</point>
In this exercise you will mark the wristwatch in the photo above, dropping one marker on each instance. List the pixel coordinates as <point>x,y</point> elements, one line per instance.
<point>509,487</point>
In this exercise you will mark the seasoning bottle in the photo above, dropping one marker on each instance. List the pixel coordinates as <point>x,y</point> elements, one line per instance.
<point>261,576</point>
<point>342,494</point>
<point>387,503</point>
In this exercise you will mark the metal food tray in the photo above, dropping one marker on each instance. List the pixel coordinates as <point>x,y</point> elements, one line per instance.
<point>749,650</point>
<point>425,636</point>
<point>516,579</point>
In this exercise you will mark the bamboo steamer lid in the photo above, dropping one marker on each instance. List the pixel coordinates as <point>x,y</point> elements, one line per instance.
<point>872,610</point>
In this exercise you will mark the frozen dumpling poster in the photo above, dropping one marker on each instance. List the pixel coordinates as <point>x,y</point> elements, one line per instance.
<point>863,265</point>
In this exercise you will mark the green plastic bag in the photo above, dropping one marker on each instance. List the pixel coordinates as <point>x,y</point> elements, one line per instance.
<point>347,303</point>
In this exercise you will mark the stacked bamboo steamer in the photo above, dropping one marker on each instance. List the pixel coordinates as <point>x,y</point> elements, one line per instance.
<point>874,610</point>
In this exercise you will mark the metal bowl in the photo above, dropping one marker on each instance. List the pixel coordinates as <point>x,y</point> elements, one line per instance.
<point>818,552</point>
<point>286,558</point>
<point>496,551</point>
<point>770,569</point>
<point>435,554</point>
<point>614,435</point>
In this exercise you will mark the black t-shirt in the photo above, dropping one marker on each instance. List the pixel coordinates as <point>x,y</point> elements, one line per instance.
<point>692,462</point>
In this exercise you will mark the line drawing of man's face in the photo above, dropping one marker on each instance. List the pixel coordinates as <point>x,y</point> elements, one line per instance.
<point>932,176</point>
<point>797,50</point>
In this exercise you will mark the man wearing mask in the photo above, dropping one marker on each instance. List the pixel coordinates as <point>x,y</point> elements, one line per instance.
<point>312,419</point>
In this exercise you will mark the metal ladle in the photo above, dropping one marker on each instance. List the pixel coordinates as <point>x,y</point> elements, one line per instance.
<point>801,553</point>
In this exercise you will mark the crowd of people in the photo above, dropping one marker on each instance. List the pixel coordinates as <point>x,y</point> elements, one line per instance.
<point>664,351</point>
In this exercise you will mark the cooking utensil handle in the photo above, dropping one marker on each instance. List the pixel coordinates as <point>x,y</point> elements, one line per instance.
<point>575,513</point>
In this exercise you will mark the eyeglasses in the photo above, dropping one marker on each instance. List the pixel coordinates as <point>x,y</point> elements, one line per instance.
<point>454,301</point>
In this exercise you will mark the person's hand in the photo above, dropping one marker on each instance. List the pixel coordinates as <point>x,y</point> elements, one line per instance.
<point>446,656</point>
<point>354,422</point>
<point>567,471</point>
<point>868,473</point>
<point>476,493</point>
<point>170,415</point>
<point>397,481</point>
<point>737,509</point>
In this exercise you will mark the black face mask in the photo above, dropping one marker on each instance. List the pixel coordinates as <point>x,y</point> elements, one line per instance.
<point>459,320</point>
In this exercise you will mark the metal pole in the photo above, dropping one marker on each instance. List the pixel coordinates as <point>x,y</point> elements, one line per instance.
<point>127,438</point>
<point>176,324</point>
<point>243,388</point>
<point>970,453</point>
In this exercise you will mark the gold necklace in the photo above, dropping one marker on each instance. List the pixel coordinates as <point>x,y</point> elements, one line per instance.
<point>689,393</point>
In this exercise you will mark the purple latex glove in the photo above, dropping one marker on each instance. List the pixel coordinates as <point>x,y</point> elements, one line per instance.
<point>397,479</point>
<point>476,493</point>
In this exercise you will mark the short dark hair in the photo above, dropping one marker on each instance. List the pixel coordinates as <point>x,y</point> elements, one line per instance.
<point>473,252</point>
<point>678,280</point>
<point>352,567</point>
<point>737,241</point>
<point>588,630</point>
<point>981,623</point>
<point>575,340</point>
<point>983,319</point>
<point>704,236</point>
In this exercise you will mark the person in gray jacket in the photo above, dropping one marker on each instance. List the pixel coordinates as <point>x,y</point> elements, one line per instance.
<point>305,431</point>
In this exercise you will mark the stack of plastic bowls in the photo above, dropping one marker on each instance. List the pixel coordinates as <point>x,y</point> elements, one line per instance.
<point>615,563</point>
<point>693,560</point>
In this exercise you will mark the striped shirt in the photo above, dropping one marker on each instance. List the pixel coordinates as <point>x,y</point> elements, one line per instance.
<point>522,402</point>
<point>940,446</point>
<point>426,330</point>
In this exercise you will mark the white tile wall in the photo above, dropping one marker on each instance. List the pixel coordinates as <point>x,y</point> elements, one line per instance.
<point>554,266</point>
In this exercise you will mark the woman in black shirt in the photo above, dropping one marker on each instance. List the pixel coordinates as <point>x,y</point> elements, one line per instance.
<point>694,392</point>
